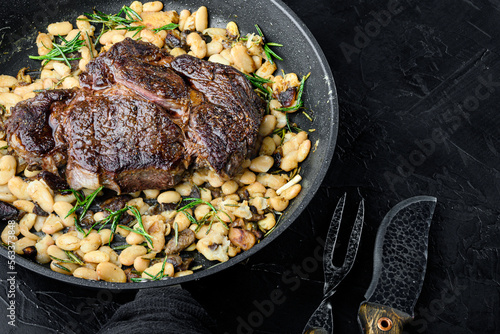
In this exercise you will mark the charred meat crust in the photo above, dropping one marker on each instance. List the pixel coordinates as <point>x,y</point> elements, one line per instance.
<point>141,118</point>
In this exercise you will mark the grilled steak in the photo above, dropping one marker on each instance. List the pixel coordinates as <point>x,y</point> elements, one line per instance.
<point>139,121</point>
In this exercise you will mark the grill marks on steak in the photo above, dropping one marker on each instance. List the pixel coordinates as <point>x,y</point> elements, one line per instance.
<point>223,129</point>
<point>140,120</point>
<point>142,69</point>
<point>31,135</point>
<point>122,143</point>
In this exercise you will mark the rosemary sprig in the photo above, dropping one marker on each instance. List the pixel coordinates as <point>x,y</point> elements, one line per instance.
<point>75,258</point>
<point>258,83</point>
<point>4,147</point>
<point>110,22</point>
<point>138,231</point>
<point>61,267</point>
<point>79,228</point>
<point>213,212</point>
<point>275,225</point>
<point>170,26</point>
<point>81,202</point>
<point>120,247</point>
<point>72,258</point>
<point>59,52</point>
<point>298,102</point>
<point>160,275</point>
<point>141,228</point>
<point>267,47</point>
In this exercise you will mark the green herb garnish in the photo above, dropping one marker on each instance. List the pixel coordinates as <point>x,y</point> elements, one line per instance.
<point>160,275</point>
<point>267,50</point>
<point>212,213</point>
<point>61,267</point>
<point>258,83</point>
<point>170,26</point>
<point>59,52</point>
<point>110,22</point>
<point>298,102</point>
<point>83,203</point>
<point>275,225</point>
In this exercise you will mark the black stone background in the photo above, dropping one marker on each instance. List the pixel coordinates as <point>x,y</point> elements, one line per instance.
<point>418,96</point>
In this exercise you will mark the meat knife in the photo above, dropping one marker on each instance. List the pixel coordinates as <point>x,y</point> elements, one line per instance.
<point>400,260</point>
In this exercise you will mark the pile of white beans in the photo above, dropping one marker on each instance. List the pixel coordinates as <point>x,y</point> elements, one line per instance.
<point>268,193</point>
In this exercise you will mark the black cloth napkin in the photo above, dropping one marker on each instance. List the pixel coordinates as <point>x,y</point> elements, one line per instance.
<point>160,310</point>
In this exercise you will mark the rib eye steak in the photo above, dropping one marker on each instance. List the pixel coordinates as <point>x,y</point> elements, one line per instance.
<point>141,118</point>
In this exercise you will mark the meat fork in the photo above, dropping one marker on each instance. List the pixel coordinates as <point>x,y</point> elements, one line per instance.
<point>321,321</point>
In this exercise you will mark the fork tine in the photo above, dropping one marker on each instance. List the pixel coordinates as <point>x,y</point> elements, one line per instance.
<point>331,237</point>
<point>321,321</point>
<point>354,238</point>
<point>334,275</point>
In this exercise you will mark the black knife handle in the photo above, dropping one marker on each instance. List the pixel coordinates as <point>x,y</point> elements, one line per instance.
<point>379,319</point>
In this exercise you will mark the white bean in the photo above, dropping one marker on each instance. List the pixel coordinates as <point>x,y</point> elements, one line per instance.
<point>129,254</point>
<point>156,268</point>
<point>154,6</point>
<point>84,26</point>
<point>70,82</point>
<point>85,273</point>
<point>40,194</point>
<point>242,60</point>
<point>266,70</point>
<point>267,126</point>
<point>214,179</point>
<point>247,177</point>
<point>91,243</point>
<point>182,220</point>
<point>262,164</point>
<point>229,187</point>
<point>96,256</point>
<point>18,187</point>
<point>303,150</point>
<point>26,224</point>
<point>9,99</point>
<point>60,28</point>
<point>110,272</point>
<point>52,224</point>
<point>177,52</point>
<point>289,161</point>
<point>151,193</point>
<point>8,166</point>
<point>68,242</point>
<point>214,48</point>
<point>24,205</point>
<point>7,81</point>
<point>197,44</point>
<point>169,197</point>
<point>217,58</point>
<point>106,236</point>
<point>183,16</point>
<point>291,192</point>
<point>10,233</point>
<point>201,20</point>
<point>62,209</point>
<point>267,223</point>
<point>69,268</point>
<point>41,249</point>
<point>268,146</point>
<point>278,203</point>
<point>62,69</point>
<point>22,243</point>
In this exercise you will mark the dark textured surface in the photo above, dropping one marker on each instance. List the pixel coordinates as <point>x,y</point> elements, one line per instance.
<point>421,76</point>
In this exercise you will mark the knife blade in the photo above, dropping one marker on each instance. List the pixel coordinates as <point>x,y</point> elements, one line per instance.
<point>400,260</point>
